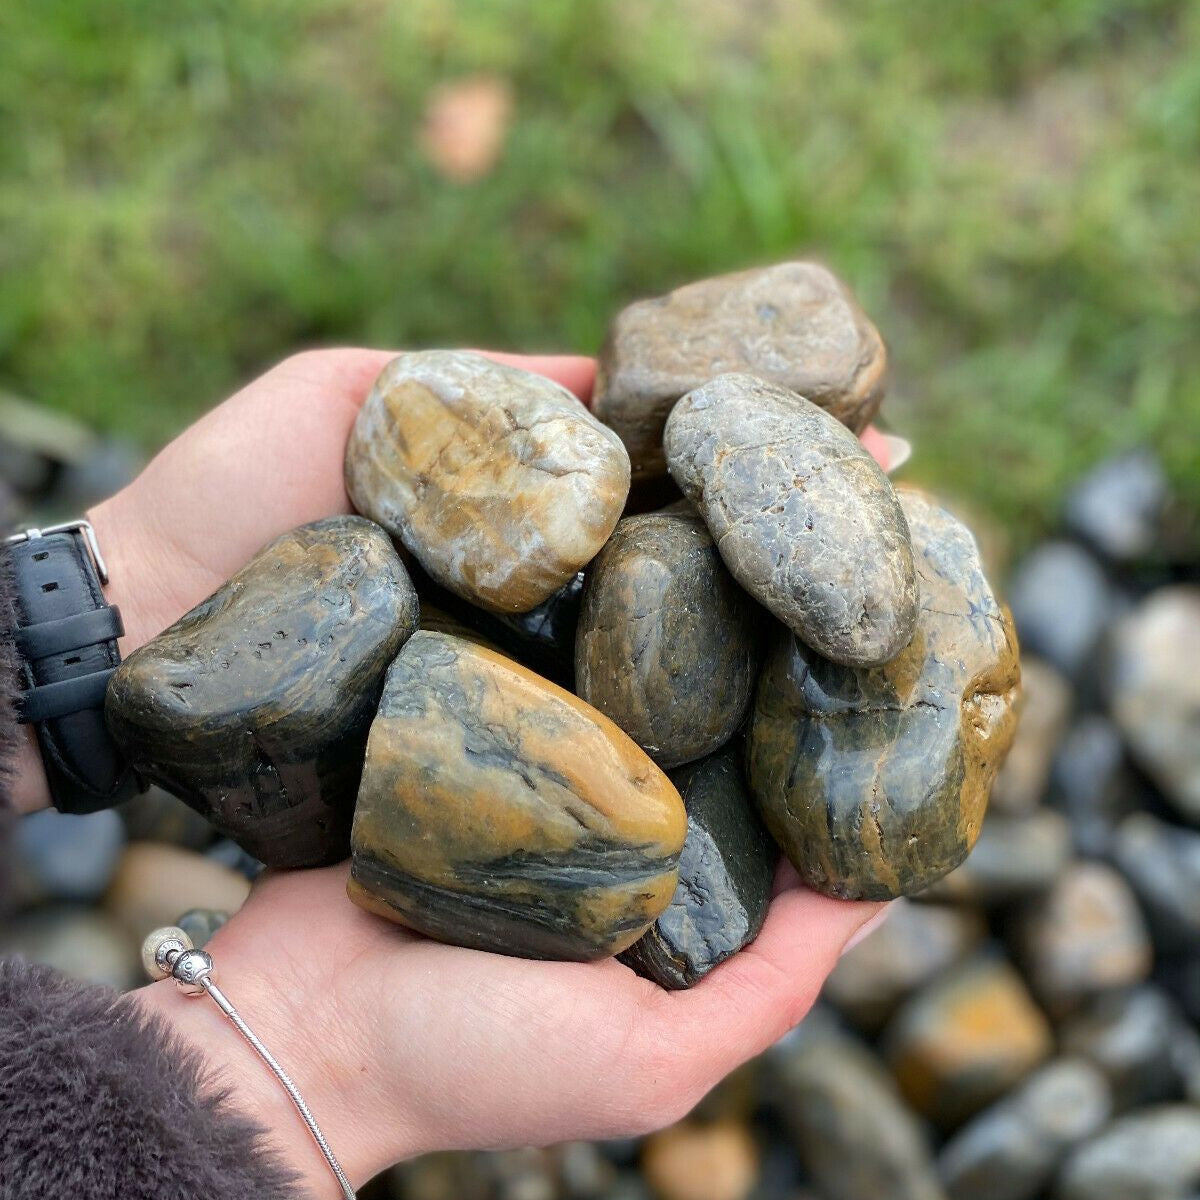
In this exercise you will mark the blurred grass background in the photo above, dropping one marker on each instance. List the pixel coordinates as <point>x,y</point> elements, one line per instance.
<point>189,191</point>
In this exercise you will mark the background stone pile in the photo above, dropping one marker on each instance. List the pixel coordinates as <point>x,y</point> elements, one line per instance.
<point>1027,1028</point>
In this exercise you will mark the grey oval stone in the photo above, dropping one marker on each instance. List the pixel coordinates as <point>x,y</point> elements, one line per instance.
<point>667,644</point>
<point>255,706</point>
<point>499,481</point>
<point>851,1129</point>
<point>802,515</point>
<point>1011,1150</point>
<point>1153,1154</point>
<point>794,323</point>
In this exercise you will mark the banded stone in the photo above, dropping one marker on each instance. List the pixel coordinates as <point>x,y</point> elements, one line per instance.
<point>500,812</point>
<point>499,481</point>
<point>875,782</point>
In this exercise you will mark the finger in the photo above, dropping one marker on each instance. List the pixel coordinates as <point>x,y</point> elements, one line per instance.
<point>752,1000</point>
<point>876,445</point>
<point>349,372</point>
<point>575,372</point>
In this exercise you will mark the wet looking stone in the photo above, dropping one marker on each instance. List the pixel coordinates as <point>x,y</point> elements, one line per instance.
<point>803,516</point>
<point>500,812</point>
<point>793,323</point>
<point>667,644</point>
<point>254,707</point>
<point>725,874</point>
<point>875,782</point>
<point>499,481</point>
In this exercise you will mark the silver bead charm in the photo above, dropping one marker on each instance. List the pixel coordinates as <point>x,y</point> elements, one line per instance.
<point>168,953</point>
<point>162,948</point>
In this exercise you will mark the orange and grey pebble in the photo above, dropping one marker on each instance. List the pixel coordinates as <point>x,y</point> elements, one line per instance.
<point>500,812</point>
<point>499,481</point>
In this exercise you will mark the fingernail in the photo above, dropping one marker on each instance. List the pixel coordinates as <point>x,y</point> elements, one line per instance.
<point>899,451</point>
<point>865,930</point>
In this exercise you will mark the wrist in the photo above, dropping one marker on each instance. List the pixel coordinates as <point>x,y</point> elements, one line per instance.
<point>120,538</point>
<point>336,1084</point>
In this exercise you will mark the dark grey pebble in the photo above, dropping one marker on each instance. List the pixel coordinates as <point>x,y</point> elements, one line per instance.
<point>725,874</point>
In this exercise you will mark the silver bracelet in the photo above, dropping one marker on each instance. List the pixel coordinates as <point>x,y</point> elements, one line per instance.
<point>168,953</point>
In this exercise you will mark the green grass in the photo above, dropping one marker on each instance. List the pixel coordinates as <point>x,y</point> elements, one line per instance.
<point>189,191</point>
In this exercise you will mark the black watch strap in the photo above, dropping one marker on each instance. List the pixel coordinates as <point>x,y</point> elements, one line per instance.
<point>66,638</point>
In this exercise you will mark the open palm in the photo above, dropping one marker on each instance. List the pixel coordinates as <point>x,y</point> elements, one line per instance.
<point>403,1045</point>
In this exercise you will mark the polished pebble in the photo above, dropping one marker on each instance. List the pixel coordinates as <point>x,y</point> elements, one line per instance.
<point>500,812</point>
<point>803,516</point>
<point>851,1129</point>
<point>499,481</point>
<point>254,707</point>
<point>1085,936</point>
<point>1154,691</point>
<point>1062,603</point>
<point>966,1039</point>
<point>1153,1154</point>
<point>793,323</point>
<point>1162,863</point>
<point>725,874</point>
<point>59,856</point>
<point>875,782</point>
<point>78,941</point>
<point>701,1161</point>
<point>1090,784</point>
<point>667,644</point>
<point>1140,1040</point>
<point>200,924</point>
<point>1011,1150</point>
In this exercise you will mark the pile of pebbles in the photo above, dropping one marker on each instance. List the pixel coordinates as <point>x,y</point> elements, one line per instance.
<point>791,643</point>
<point>1024,1024</point>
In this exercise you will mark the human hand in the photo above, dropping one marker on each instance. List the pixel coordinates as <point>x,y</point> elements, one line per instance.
<point>403,1045</point>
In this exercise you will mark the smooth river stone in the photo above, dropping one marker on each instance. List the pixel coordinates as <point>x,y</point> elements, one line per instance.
<point>667,644</point>
<point>1151,1154</point>
<point>1085,936</point>
<point>875,782</point>
<point>1012,1149</point>
<point>254,707</point>
<point>500,812</point>
<point>854,1134</point>
<point>725,874</point>
<point>499,481</point>
<point>803,516</point>
<point>966,1039</point>
<point>793,323</point>
<point>1154,691</point>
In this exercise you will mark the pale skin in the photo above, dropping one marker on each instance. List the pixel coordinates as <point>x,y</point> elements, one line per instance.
<point>401,1045</point>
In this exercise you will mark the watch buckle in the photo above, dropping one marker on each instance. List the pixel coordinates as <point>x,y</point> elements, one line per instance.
<point>84,528</point>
